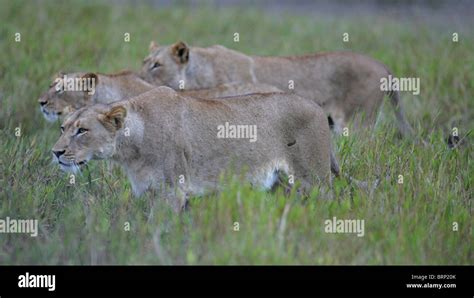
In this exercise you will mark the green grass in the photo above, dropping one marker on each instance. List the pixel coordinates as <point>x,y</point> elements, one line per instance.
<point>409,223</point>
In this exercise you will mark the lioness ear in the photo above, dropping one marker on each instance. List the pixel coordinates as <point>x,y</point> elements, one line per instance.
<point>59,74</point>
<point>115,118</point>
<point>153,46</point>
<point>92,79</point>
<point>92,76</point>
<point>180,51</point>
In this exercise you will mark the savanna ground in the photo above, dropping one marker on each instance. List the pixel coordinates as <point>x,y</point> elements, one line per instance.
<point>85,223</point>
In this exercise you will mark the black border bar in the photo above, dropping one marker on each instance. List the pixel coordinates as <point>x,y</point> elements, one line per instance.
<point>240,280</point>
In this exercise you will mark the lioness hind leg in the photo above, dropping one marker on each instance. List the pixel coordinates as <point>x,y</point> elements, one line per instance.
<point>337,124</point>
<point>404,127</point>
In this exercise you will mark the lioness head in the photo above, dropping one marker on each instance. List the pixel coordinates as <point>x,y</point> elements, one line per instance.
<point>88,133</point>
<point>61,100</point>
<point>164,64</point>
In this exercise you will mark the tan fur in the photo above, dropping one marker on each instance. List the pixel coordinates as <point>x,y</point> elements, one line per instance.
<point>123,85</point>
<point>345,84</point>
<point>160,135</point>
<point>230,89</point>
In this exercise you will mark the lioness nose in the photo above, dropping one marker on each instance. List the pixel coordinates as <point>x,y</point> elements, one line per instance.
<point>59,153</point>
<point>42,101</point>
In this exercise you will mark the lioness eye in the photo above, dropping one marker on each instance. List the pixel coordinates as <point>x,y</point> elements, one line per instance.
<point>156,65</point>
<point>81,131</point>
<point>62,129</point>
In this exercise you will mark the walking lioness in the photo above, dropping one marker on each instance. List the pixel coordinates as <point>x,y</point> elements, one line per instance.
<point>58,102</point>
<point>180,145</point>
<point>345,84</point>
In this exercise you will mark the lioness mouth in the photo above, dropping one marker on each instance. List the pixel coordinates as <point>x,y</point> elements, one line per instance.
<point>49,113</point>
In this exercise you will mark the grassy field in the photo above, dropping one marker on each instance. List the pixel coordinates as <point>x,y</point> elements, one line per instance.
<point>85,223</point>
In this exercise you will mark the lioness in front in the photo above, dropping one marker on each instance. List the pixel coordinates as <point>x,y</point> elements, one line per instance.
<point>181,145</point>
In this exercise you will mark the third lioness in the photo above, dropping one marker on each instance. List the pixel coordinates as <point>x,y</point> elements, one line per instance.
<point>345,84</point>
<point>180,146</point>
<point>59,101</point>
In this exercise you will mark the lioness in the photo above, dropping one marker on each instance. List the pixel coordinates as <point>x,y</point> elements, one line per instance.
<point>57,102</point>
<point>345,84</point>
<point>175,144</point>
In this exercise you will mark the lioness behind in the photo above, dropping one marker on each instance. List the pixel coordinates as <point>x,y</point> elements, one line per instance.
<point>345,84</point>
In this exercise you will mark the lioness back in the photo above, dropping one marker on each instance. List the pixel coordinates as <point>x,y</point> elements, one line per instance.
<point>231,89</point>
